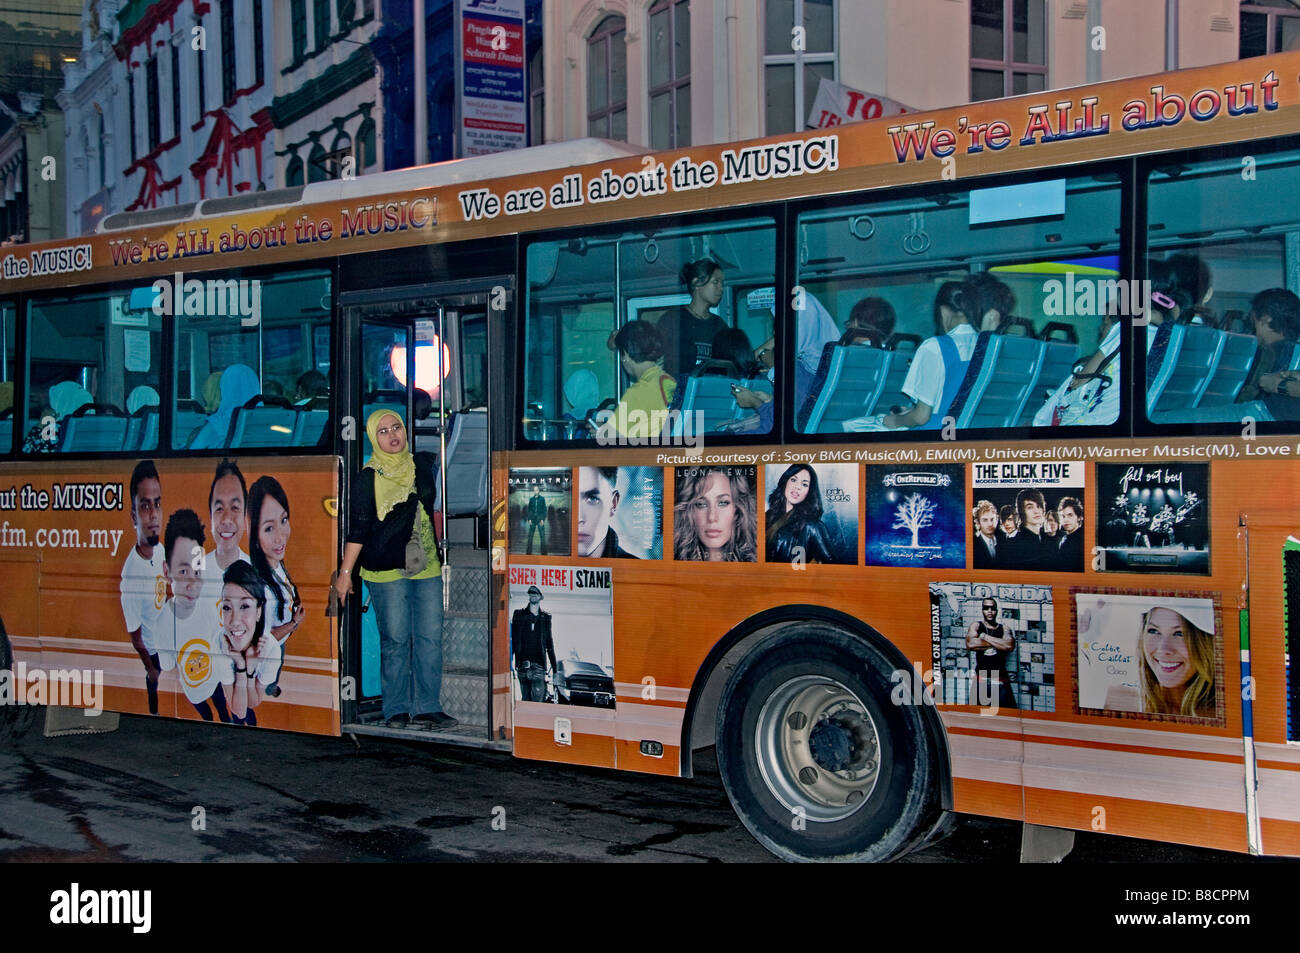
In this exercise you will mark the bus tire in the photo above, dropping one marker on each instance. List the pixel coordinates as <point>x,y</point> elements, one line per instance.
<point>15,720</point>
<point>819,764</point>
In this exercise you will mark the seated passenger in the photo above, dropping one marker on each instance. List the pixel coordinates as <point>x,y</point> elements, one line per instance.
<point>991,300</point>
<point>733,345</point>
<point>687,333</point>
<point>312,390</point>
<point>239,385</point>
<point>141,399</point>
<point>876,317</point>
<point>1091,394</point>
<point>643,408</point>
<point>1275,314</point>
<point>65,398</point>
<point>1174,292</point>
<point>940,363</point>
<point>581,393</point>
<point>814,329</point>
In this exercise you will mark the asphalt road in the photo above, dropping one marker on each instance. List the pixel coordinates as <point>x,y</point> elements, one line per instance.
<point>179,791</point>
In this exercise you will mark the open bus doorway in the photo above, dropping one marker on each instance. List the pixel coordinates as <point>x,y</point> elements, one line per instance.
<point>423,354</point>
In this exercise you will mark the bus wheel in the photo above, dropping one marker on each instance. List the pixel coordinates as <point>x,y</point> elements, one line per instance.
<point>14,719</point>
<point>817,761</point>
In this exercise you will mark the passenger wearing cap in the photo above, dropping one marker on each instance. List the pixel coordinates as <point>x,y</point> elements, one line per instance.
<point>532,647</point>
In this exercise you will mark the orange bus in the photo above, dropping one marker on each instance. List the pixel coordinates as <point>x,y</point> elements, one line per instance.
<point>811,449</point>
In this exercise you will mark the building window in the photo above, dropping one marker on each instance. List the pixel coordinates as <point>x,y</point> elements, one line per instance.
<point>259,64</point>
<point>130,109</point>
<point>317,170</point>
<point>366,154</point>
<point>202,82</point>
<point>1268,26</point>
<point>536,99</point>
<point>293,173</point>
<point>607,79</point>
<point>795,62</point>
<point>176,91</point>
<point>151,102</point>
<point>298,27</point>
<point>101,153</point>
<point>228,77</point>
<point>670,74</point>
<point>321,14</point>
<point>1008,48</point>
<point>347,14</point>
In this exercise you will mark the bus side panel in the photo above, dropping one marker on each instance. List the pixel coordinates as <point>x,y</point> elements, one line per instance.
<point>79,524</point>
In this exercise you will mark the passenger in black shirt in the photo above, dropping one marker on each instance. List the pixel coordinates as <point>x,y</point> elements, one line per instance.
<point>689,332</point>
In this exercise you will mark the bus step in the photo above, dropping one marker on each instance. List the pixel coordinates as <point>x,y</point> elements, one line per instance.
<point>463,736</point>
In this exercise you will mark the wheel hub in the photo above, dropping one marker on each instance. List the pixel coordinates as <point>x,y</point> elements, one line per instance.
<point>817,748</point>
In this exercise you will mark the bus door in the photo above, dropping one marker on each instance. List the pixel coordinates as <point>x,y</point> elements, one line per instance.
<point>423,354</point>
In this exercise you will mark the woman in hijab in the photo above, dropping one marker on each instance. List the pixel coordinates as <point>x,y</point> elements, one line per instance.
<point>239,385</point>
<point>391,535</point>
<point>65,398</point>
<point>141,398</point>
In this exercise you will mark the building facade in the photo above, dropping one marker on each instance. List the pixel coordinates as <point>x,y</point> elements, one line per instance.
<point>668,73</point>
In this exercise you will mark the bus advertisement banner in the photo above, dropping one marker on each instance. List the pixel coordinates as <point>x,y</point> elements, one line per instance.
<point>186,588</point>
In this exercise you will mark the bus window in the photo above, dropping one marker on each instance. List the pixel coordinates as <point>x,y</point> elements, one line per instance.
<point>252,363</point>
<point>473,360</point>
<point>1223,342</point>
<point>988,308</point>
<point>93,375</point>
<point>7,332</point>
<point>623,328</point>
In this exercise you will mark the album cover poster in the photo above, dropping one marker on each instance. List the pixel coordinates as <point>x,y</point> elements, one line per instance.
<point>811,513</point>
<point>1152,655</point>
<point>715,514</point>
<point>993,645</point>
<point>620,512</point>
<point>562,635</point>
<point>915,516</point>
<point>1027,516</point>
<point>540,503</point>
<point>1154,517</point>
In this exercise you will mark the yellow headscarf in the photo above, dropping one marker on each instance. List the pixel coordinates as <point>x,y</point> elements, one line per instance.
<point>211,392</point>
<point>394,472</point>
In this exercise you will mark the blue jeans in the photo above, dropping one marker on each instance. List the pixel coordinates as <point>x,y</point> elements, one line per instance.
<point>408,613</point>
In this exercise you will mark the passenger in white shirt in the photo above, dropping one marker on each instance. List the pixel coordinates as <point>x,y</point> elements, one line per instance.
<point>143,588</point>
<point>188,626</point>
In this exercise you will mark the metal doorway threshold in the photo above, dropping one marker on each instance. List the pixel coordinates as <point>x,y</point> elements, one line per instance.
<point>471,737</point>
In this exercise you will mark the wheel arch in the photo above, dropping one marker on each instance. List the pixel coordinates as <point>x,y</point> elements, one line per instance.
<point>699,722</point>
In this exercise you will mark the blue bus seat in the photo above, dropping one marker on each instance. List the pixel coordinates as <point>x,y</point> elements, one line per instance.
<point>309,427</point>
<point>709,395</point>
<point>467,463</point>
<point>1059,358</point>
<point>1000,378</point>
<point>1232,365</point>
<point>848,381</point>
<point>262,427</point>
<point>6,434</point>
<point>1183,364</point>
<point>96,433</point>
<point>900,361</point>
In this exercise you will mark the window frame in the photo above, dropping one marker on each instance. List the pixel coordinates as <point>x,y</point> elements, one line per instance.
<point>1144,165</point>
<point>702,220</point>
<point>605,32</point>
<point>1273,14</point>
<point>229,60</point>
<point>153,103</point>
<point>673,87</point>
<point>800,59</point>
<point>787,414</point>
<point>168,342</point>
<point>176,90</point>
<point>1008,65</point>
